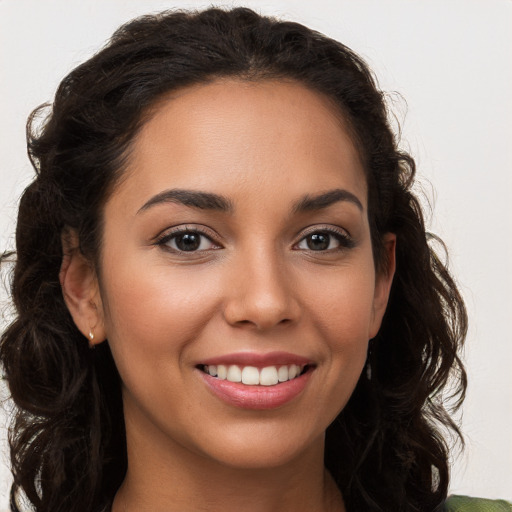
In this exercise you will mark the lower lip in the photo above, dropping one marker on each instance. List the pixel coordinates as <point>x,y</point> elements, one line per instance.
<point>256,397</point>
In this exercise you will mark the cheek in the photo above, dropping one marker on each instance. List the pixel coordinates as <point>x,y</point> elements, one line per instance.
<point>342,304</point>
<point>151,312</point>
<point>341,310</point>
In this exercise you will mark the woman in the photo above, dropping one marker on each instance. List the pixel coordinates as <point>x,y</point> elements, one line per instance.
<point>224,289</point>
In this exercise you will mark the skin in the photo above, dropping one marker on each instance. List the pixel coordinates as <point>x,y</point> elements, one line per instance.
<point>254,285</point>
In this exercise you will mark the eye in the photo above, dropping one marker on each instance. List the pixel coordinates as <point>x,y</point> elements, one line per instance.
<point>325,240</point>
<point>187,240</point>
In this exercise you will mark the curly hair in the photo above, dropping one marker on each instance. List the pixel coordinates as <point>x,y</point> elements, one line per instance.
<point>386,450</point>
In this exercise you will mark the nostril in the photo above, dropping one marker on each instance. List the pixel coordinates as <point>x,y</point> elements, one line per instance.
<point>261,311</point>
<point>262,324</point>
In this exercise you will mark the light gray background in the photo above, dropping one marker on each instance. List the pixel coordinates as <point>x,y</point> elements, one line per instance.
<point>452,62</point>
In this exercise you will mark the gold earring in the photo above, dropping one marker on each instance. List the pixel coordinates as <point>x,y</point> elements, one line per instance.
<point>91,338</point>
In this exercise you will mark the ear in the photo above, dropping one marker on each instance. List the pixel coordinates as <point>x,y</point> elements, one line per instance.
<point>80,288</point>
<point>383,281</point>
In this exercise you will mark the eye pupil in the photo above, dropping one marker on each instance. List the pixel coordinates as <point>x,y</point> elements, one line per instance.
<point>318,241</point>
<point>188,242</point>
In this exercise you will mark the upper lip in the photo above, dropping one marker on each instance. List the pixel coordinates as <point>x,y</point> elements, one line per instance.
<point>257,359</point>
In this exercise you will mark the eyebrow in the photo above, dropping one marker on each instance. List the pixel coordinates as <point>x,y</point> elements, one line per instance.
<point>324,200</point>
<point>194,198</point>
<point>210,201</point>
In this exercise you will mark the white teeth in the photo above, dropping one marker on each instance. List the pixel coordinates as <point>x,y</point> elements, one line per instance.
<point>252,376</point>
<point>234,374</point>
<point>268,376</point>
<point>293,370</point>
<point>222,372</point>
<point>282,374</point>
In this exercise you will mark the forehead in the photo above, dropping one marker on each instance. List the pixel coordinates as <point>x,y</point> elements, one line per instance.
<point>233,136</point>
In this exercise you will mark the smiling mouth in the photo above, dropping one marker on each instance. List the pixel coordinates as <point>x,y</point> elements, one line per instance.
<point>253,376</point>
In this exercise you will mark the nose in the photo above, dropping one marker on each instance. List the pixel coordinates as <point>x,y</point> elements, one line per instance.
<point>261,293</point>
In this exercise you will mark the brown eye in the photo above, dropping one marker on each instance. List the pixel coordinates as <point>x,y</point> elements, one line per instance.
<point>187,241</point>
<point>318,241</point>
<point>326,240</point>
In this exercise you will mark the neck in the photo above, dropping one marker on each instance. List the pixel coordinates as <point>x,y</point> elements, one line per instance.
<point>164,476</point>
<point>229,491</point>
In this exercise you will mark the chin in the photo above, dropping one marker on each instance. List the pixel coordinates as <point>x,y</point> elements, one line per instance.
<point>262,446</point>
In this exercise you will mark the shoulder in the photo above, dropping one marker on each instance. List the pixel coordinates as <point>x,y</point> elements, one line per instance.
<point>466,504</point>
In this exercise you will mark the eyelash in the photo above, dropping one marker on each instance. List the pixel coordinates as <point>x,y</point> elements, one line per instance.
<point>167,236</point>
<point>345,241</point>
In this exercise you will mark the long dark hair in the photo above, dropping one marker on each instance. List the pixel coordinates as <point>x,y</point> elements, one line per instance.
<point>386,449</point>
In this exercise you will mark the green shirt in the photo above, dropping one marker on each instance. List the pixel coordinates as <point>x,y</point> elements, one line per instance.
<point>466,504</point>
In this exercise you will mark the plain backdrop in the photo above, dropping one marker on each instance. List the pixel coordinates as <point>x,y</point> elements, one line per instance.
<point>451,63</point>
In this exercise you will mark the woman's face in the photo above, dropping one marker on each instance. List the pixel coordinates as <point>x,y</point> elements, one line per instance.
<point>238,245</point>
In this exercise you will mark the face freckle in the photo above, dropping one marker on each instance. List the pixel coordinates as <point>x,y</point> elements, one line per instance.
<point>281,273</point>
